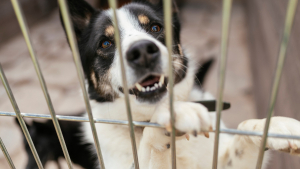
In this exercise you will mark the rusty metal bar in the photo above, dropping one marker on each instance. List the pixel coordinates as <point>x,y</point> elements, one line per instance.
<point>20,119</point>
<point>113,6</point>
<point>290,14</point>
<point>74,47</point>
<point>7,157</point>
<point>227,4</point>
<point>169,43</point>
<point>25,32</point>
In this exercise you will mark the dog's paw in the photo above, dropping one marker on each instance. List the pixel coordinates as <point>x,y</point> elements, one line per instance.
<point>190,118</point>
<point>278,125</point>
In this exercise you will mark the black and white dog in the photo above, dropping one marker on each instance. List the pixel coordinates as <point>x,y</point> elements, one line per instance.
<point>47,145</point>
<point>141,25</point>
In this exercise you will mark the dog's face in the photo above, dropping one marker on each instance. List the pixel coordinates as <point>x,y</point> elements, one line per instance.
<point>145,55</point>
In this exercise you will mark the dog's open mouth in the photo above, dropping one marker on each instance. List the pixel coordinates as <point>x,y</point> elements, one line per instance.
<point>150,88</point>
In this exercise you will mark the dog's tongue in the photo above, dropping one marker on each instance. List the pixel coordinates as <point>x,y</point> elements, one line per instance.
<point>150,81</point>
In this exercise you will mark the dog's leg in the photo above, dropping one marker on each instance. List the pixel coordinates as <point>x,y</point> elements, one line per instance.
<point>154,150</point>
<point>160,159</point>
<point>279,125</point>
<point>243,150</point>
<point>144,153</point>
<point>239,153</point>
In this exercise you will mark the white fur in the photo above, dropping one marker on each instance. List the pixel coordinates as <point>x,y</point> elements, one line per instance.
<point>131,32</point>
<point>234,151</point>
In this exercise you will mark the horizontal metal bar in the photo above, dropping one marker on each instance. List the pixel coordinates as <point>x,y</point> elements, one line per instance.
<point>140,124</point>
<point>20,119</point>
<point>25,31</point>
<point>113,5</point>
<point>7,157</point>
<point>290,14</point>
<point>82,119</point>
<point>74,47</point>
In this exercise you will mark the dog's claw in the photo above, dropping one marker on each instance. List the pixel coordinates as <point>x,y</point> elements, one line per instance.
<point>187,137</point>
<point>210,128</point>
<point>195,133</point>
<point>169,127</point>
<point>206,134</point>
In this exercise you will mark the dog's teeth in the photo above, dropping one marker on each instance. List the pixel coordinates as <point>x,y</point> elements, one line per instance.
<point>153,88</point>
<point>143,89</point>
<point>160,84</point>
<point>156,85</point>
<point>139,87</point>
<point>162,79</point>
<point>148,89</point>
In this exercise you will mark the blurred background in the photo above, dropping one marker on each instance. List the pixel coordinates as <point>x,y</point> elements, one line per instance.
<point>255,34</point>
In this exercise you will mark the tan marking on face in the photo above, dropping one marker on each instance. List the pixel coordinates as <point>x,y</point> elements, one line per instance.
<point>180,50</point>
<point>94,80</point>
<point>143,19</point>
<point>178,63</point>
<point>109,31</point>
<point>104,87</point>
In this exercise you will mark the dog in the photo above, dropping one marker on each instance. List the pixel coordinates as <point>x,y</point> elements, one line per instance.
<point>141,25</point>
<point>47,145</point>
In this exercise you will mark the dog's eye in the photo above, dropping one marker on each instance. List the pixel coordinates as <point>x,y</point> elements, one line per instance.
<point>155,28</point>
<point>106,44</point>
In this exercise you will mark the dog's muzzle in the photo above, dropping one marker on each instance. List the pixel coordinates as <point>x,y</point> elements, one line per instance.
<point>144,58</point>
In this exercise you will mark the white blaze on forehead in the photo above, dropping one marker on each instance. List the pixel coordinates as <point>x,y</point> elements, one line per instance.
<point>128,23</point>
<point>131,32</point>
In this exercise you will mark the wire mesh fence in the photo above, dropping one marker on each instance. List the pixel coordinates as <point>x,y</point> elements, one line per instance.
<point>227,4</point>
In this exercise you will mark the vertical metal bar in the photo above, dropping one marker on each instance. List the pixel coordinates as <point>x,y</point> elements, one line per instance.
<point>7,157</point>
<point>113,6</point>
<point>222,69</point>
<point>168,29</point>
<point>291,10</point>
<point>19,116</point>
<point>74,47</point>
<point>25,32</point>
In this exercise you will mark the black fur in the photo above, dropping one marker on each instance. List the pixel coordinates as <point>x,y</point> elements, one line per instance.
<point>48,147</point>
<point>89,25</point>
<point>202,71</point>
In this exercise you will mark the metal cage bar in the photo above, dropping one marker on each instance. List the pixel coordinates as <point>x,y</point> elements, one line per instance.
<point>227,4</point>
<point>113,6</point>
<point>7,157</point>
<point>20,119</point>
<point>74,47</point>
<point>290,14</point>
<point>142,124</point>
<point>222,69</point>
<point>25,31</point>
<point>168,29</point>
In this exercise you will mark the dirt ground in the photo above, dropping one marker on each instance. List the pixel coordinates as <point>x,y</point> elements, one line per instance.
<point>200,37</point>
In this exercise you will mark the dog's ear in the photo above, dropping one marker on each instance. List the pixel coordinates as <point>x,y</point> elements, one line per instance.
<point>81,13</point>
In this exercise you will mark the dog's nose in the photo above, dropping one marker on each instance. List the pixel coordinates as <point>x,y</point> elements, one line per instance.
<point>142,54</point>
